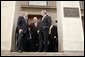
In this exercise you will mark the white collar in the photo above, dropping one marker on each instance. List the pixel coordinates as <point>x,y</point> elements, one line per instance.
<point>51,26</point>
<point>25,17</point>
<point>44,15</point>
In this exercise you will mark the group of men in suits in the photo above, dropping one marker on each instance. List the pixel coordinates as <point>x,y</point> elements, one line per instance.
<point>34,37</point>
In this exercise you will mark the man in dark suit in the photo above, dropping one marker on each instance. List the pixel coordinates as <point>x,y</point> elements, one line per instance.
<point>34,28</point>
<point>53,38</point>
<point>23,32</point>
<point>43,35</point>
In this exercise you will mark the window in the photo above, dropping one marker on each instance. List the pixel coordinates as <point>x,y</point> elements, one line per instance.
<point>38,3</point>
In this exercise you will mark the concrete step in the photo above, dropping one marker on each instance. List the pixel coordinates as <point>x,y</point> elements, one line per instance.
<point>76,53</point>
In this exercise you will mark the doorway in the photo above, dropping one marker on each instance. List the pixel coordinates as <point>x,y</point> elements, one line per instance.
<point>31,16</point>
<point>30,20</point>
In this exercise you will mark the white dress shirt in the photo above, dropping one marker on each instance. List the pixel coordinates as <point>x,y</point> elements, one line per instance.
<point>43,17</point>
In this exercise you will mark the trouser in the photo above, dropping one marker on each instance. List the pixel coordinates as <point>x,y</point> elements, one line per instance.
<point>34,41</point>
<point>51,43</point>
<point>22,41</point>
<point>43,40</point>
<point>19,41</point>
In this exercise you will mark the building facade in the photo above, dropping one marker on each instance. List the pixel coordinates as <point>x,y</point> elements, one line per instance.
<point>69,14</point>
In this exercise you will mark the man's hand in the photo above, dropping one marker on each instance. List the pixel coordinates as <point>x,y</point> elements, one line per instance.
<point>20,30</point>
<point>29,29</point>
<point>38,31</point>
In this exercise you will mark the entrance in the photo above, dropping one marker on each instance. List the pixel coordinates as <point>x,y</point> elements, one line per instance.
<point>30,20</point>
<point>31,16</point>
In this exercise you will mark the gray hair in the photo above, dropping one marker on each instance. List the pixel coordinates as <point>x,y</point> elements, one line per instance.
<point>44,11</point>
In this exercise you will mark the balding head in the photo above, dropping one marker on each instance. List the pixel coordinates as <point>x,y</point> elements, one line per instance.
<point>35,19</point>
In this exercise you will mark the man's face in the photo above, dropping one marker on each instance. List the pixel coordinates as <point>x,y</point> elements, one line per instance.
<point>35,19</point>
<point>25,13</point>
<point>42,13</point>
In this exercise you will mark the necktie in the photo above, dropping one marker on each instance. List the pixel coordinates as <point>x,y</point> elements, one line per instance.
<point>25,18</point>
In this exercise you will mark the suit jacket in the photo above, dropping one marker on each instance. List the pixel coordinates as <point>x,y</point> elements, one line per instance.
<point>33,28</point>
<point>54,31</point>
<point>21,24</point>
<point>46,22</point>
<point>53,39</point>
